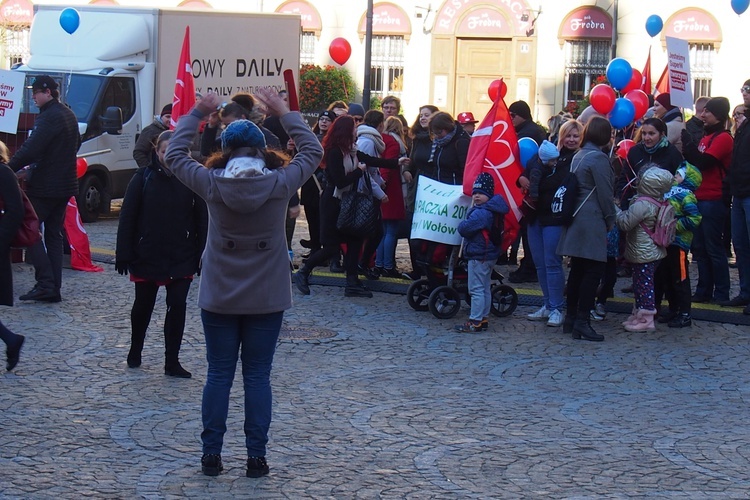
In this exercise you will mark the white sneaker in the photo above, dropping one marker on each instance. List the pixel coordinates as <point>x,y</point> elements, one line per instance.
<point>541,315</point>
<point>555,318</point>
<point>601,310</point>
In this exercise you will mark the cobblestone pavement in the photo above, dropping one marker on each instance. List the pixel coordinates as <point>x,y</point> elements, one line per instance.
<point>374,400</point>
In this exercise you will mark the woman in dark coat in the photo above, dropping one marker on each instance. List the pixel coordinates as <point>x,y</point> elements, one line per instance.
<point>10,221</point>
<point>160,239</point>
<point>344,168</point>
<point>585,239</point>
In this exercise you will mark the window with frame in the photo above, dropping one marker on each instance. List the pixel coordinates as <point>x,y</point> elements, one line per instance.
<point>387,65</point>
<point>308,43</point>
<point>16,45</point>
<point>701,67</point>
<point>585,60</point>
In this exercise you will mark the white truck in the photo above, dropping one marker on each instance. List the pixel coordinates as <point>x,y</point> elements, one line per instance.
<point>118,69</point>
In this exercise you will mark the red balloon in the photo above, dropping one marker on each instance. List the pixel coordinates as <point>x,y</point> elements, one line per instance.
<point>635,83</point>
<point>81,167</point>
<point>639,100</point>
<point>623,147</point>
<point>340,50</point>
<point>495,86</point>
<point>602,98</point>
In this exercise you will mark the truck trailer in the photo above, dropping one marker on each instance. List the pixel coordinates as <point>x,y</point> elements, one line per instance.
<point>118,69</point>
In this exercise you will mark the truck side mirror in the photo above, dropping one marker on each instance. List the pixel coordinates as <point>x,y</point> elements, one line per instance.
<point>112,121</point>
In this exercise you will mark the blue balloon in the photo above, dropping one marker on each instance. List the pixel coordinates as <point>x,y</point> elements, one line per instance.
<point>654,24</point>
<point>740,6</point>
<point>622,114</point>
<point>527,148</point>
<point>619,73</point>
<point>70,20</point>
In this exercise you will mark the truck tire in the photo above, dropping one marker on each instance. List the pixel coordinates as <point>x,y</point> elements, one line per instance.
<point>90,198</point>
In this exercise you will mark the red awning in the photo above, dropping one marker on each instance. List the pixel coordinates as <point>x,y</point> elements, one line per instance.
<point>309,16</point>
<point>694,25</point>
<point>586,22</point>
<point>16,12</point>
<point>387,19</point>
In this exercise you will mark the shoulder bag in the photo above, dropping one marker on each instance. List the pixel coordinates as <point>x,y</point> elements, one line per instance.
<point>28,232</point>
<point>358,215</point>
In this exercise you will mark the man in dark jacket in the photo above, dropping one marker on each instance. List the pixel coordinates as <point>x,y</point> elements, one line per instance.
<point>694,125</point>
<point>51,154</point>
<point>520,114</point>
<point>144,146</point>
<point>739,186</point>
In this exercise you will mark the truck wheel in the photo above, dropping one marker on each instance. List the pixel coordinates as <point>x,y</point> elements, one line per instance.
<point>90,198</point>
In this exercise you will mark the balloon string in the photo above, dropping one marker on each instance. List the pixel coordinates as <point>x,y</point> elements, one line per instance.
<point>343,82</point>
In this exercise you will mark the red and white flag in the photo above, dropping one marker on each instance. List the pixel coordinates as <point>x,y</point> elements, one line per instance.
<point>646,82</point>
<point>184,87</point>
<point>78,240</point>
<point>494,149</point>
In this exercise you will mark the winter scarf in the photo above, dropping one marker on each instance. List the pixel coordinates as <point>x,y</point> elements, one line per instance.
<point>663,143</point>
<point>441,142</point>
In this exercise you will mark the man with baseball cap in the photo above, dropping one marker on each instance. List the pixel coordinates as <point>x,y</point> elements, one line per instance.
<point>467,121</point>
<point>50,152</point>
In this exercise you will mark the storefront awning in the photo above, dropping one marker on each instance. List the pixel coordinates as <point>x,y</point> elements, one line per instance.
<point>16,12</point>
<point>694,25</point>
<point>586,23</point>
<point>387,19</point>
<point>309,15</point>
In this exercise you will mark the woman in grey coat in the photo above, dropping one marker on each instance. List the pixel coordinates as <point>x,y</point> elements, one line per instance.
<point>245,285</point>
<point>585,239</point>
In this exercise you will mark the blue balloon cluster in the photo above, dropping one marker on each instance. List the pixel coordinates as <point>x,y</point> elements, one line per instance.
<point>527,148</point>
<point>70,20</point>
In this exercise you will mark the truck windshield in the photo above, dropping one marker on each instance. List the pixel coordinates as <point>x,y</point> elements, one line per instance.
<point>77,91</point>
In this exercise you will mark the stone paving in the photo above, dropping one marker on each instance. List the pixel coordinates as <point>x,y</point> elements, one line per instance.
<point>374,400</point>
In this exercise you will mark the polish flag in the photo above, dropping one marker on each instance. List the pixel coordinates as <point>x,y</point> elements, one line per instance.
<point>78,240</point>
<point>184,87</point>
<point>494,149</point>
<point>646,82</point>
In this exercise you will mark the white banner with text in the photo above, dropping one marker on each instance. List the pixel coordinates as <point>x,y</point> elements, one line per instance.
<point>438,209</point>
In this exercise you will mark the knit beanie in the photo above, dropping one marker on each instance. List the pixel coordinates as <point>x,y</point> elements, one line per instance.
<point>242,133</point>
<point>719,107</point>
<point>665,100</point>
<point>548,151</point>
<point>166,110</point>
<point>484,184</point>
<point>521,109</point>
<point>356,109</point>
<point>328,114</point>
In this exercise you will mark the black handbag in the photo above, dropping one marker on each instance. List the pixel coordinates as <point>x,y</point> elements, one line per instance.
<point>358,214</point>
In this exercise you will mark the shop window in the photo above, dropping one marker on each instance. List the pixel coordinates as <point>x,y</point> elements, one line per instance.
<point>308,43</point>
<point>387,65</point>
<point>16,45</point>
<point>585,60</point>
<point>701,68</point>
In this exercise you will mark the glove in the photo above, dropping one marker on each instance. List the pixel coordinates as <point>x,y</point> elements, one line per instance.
<point>686,137</point>
<point>121,267</point>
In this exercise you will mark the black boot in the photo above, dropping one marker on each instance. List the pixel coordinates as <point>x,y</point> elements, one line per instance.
<point>582,330</point>
<point>300,279</point>
<point>568,322</point>
<point>139,325</point>
<point>174,328</point>
<point>355,288</point>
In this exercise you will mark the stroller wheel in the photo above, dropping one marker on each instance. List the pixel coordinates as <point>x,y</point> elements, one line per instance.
<point>504,300</point>
<point>444,302</point>
<point>418,295</point>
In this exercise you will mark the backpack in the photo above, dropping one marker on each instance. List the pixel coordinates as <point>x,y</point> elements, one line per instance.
<point>496,230</point>
<point>665,228</point>
<point>563,201</point>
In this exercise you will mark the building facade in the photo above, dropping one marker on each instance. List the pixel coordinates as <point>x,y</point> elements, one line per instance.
<point>447,52</point>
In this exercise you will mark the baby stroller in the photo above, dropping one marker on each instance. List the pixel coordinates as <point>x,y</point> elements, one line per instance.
<point>447,283</point>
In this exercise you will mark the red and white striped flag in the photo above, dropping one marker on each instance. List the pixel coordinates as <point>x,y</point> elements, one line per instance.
<point>184,87</point>
<point>494,149</point>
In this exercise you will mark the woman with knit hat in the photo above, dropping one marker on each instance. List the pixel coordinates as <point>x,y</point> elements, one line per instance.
<point>712,156</point>
<point>245,285</point>
<point>672,116</point>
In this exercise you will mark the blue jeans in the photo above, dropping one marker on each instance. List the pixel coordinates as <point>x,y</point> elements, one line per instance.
<point>480,282</point>
<point>386,253</point>
<point>543,242</point>
<point>741,242</point>
<point>713,269</point>
<point>226,335</point>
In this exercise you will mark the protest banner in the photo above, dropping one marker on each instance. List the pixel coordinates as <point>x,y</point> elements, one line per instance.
<point>438,209</point>
<point>11,96</point>
<point>680,84</point>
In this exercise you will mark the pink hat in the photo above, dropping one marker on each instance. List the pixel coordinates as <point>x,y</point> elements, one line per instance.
<point>466,117</point>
